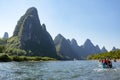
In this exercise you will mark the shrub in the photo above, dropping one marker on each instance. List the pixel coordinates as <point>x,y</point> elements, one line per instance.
<point>5,58</point>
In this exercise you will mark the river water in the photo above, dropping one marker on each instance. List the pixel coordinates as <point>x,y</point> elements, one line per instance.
<point>58,70</point>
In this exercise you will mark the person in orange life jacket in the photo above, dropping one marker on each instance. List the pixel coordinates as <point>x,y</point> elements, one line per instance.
<point>108,63</point>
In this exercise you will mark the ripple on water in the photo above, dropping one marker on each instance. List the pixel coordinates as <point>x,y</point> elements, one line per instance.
<point>59,70</point>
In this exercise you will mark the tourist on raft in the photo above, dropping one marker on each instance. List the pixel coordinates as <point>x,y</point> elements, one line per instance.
<point>106,63</point>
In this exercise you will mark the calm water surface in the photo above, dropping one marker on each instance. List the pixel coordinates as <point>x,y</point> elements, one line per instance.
<point>58,70</point>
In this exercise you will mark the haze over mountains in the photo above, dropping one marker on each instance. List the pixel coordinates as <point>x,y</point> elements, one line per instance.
<point>70,49</point>
<point>31,38</point>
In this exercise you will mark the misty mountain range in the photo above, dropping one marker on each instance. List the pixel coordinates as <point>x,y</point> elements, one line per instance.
<point>31,38</point>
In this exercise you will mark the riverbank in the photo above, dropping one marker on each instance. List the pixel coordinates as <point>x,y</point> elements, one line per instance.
<point>9,58</point>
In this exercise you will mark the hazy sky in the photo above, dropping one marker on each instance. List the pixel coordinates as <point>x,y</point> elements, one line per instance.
<point>98,20</point>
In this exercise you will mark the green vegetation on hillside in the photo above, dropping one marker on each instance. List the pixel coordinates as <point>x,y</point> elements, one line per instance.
<point>3,41</point>
<point>12,53</point>
<point>2,48</point>
<point>111,55</point>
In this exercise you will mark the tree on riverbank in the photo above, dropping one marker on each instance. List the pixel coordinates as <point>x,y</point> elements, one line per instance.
<point>111,55</point>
